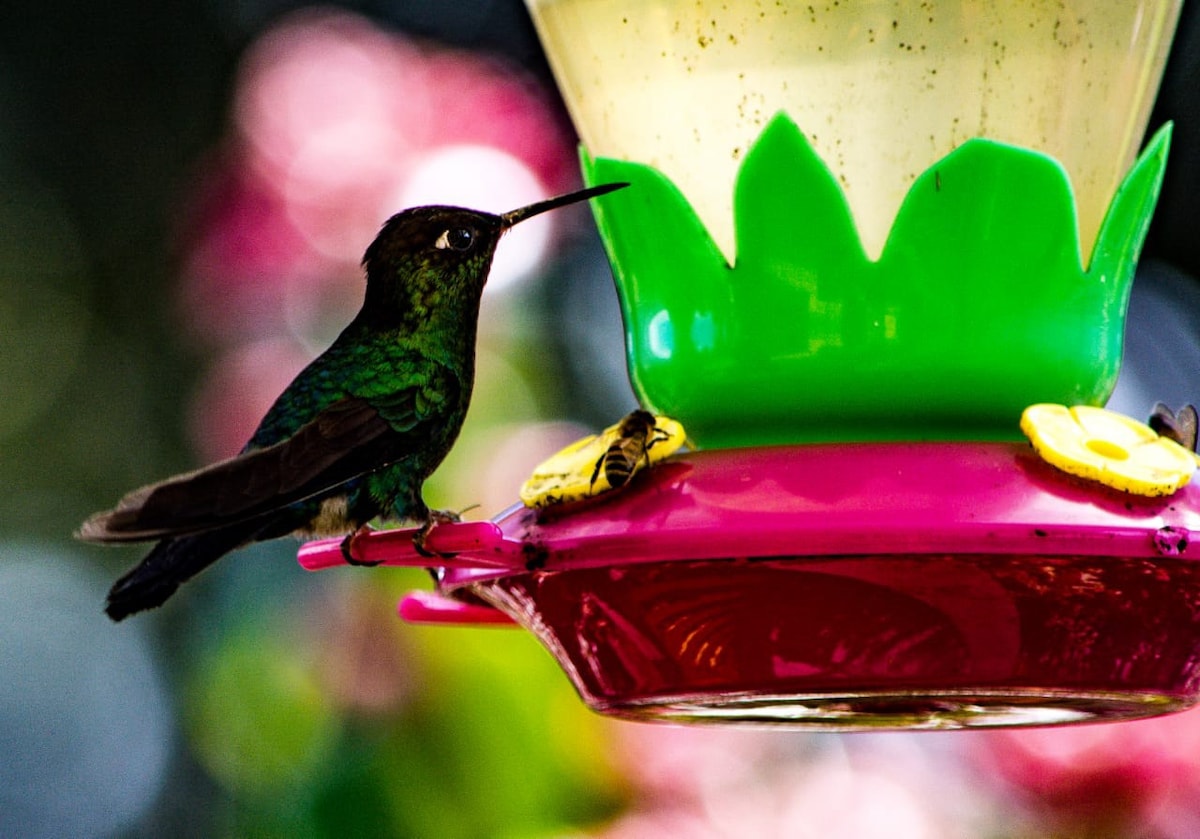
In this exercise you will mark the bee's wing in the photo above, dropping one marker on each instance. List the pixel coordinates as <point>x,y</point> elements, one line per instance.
<point>1180,427</point>
<point>1186,419</point>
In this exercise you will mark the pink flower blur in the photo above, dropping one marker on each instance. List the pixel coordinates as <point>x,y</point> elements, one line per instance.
<point>238,391</point>
<point>1096,779</point>
<point>338,115</point>
<point>804,799</point>
<point>360,650</point>
<point>247,254</point>
<point>701,782</point>
<point>680,764</point>
<point>338,123</point>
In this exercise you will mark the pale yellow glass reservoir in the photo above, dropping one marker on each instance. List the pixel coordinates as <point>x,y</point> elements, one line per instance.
<point>882,89</point>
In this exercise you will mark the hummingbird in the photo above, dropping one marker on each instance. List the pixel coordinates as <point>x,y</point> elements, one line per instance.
<point>356,433</point>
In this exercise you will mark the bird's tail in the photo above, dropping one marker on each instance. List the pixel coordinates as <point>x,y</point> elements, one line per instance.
<point>170,563</point>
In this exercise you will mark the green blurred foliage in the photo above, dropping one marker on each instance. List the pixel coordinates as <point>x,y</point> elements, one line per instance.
<point>258,718</point>
<point>491,740</point>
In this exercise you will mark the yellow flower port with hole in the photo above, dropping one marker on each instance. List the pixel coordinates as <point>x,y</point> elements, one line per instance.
<point>1107,447</point>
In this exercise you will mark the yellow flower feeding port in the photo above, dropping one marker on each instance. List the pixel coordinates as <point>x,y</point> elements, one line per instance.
<point>1108,448</point>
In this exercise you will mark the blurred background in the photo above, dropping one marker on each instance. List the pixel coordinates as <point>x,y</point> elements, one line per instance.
<point>186,189</point>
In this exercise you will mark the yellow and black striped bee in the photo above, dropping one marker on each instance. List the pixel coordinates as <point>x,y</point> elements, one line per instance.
<point>604,462</point>
<point>1178,426</point>
<point>636,434</point>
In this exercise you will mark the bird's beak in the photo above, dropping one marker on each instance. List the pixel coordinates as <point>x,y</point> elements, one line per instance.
<point>508,219</point>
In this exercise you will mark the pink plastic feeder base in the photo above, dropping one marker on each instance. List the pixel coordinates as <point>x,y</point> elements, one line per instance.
<point>849,642</point>
<point>843,587</point>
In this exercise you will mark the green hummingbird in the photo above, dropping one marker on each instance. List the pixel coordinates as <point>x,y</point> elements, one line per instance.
<point>356,433</point>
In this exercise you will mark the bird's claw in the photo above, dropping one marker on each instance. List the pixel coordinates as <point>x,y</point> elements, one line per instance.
<point>434,518</point>
<point>348,548</point>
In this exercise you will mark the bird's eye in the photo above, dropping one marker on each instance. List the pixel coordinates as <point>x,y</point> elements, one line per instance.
<point>456,239</point>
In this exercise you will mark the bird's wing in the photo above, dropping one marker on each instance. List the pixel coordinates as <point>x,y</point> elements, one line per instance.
<point>346,440</point>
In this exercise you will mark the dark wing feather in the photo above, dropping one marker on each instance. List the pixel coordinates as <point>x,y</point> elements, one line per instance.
<point>346,440</point>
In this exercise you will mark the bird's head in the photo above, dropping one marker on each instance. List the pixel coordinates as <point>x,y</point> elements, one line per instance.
<point>425,257</point>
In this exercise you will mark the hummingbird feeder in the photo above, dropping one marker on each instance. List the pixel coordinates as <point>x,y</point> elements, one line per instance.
<point>861,239</point>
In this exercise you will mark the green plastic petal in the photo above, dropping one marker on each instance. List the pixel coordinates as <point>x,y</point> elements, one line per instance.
<point>977,307</point>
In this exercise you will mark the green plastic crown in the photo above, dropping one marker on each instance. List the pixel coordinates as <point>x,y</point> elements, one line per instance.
<point>977,307</point>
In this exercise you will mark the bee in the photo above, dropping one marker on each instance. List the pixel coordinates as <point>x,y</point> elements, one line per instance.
<point>636,434</point>
<point>1180,427</point>
<point>617,453</point>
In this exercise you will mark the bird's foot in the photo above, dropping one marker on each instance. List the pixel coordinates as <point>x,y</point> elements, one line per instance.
<point>348,552</point>
<point>434,518</point>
